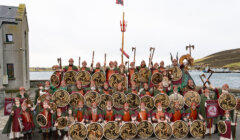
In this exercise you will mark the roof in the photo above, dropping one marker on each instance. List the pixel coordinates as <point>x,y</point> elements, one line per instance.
<point>8,14</point>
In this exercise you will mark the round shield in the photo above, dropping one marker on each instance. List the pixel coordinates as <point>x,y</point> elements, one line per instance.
<point>111,130</point>
<point>62,122</point>
<point>149,102</point>
<point>115,79</point>
<point>77,131</point>
<point>55,81</point>
<point>227,101</point>
<point>180,129</point>
<point>95,131</point>
<point>53,106</point>
<point>61,98</point>
<point>91,97</point>
<point>84,77</point>
<point>99,78</point>
<point>128,130</point>
<point>163,130</point>
<point>41,120</point>
<point>176,98</point>
<point>143,75</point>
<point>145,129</point>
<point>197,129</point>
<point>103,103</point>
<point>75,98</point>
<point>177,73</point>
<point>222,127</point>
<point>133,100</point>
<point>156,78</point>
<point>190,97</point>
<point>163,99</point>
<point>119,99</point>
<point>69,77</point>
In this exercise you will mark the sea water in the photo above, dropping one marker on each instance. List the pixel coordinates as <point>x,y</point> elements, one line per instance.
<point>217,79</point>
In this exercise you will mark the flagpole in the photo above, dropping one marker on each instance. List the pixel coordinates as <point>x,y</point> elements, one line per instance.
<point>123,38</point>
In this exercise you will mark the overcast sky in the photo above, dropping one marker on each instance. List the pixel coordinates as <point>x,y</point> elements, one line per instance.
<point>73,28</point>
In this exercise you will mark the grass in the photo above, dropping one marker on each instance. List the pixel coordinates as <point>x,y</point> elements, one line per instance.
<point>233,65</point>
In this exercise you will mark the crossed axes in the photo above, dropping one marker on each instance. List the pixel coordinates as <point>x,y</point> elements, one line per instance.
<point>207,81</point>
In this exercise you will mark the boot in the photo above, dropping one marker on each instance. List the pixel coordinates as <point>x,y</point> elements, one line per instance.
<point>29,136</point>
<point>44,134</point>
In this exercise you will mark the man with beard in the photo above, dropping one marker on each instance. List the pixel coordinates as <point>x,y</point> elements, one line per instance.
<point>94,114</point>
<point>126,113</point>
<point>131,71</point>
<point>84,67</point>
<point>27,121</point>
<point>159,114</point>
<point>160,89</point>
<point>161,68</point>
<point>211,127</point>
<point>58,134</point>
<point>70,67</point>
<point>92,87</point>
<point>48,114</point>
<point>109,113</point>
<point>22,95</point>
<point>155,69</point>
<point>58,72</point>
<point>192,113</point>
<point>219,92</point>
<point>143,114</point>
<point>47,88</point>
<point>190,87</point>
<point>176,112</point>
<point>106,89</point>
<point>13,126</point>
<point>79,113</point>
<point>78,88</point>
<point>116,66</point>
<point>97,68</point>
<point>146,90</point>
<point>228,121</point>
<point>110,70</point>
<point>133,88</point>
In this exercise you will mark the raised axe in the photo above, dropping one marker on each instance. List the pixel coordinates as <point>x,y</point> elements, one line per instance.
<point>190,47</point>
<point>201,77</point>
<point>134,50</point>
<point>207,81</point>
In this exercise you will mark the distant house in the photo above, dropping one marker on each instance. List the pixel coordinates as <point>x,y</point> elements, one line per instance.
<point>14,48</point>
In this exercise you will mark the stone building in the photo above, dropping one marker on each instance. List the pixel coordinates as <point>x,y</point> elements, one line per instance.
<point>14,48</point>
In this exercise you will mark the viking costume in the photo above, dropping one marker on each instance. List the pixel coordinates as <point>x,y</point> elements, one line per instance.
<point>203,111</point>
<point>228,122</point>
<point>27,121</point>
<point>13,126</point>
<point>94,114</point>
<point>175,113</point>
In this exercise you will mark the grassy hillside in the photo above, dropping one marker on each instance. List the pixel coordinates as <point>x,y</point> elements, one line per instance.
<point>228,58</point>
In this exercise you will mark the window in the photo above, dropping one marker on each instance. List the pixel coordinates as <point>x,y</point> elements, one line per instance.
<point>9,38</point>
<point>10,71</point>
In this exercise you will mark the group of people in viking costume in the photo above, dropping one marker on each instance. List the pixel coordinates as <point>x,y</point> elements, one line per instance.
<point>78,102</point>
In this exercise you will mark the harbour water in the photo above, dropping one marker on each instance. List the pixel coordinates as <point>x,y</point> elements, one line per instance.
<point>217,79</point>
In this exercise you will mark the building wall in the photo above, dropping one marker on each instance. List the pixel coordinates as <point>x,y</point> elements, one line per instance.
<point>16,53</point>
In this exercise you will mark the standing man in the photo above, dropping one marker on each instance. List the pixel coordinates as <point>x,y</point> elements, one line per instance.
<point>70,67</point>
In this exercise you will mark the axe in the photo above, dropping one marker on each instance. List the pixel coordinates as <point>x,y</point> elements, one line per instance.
<point>134,50</point>
<point>201,77</point>
<point>209,70</point>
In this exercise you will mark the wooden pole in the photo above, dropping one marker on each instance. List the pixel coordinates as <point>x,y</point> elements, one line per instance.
<point>123,22</point>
